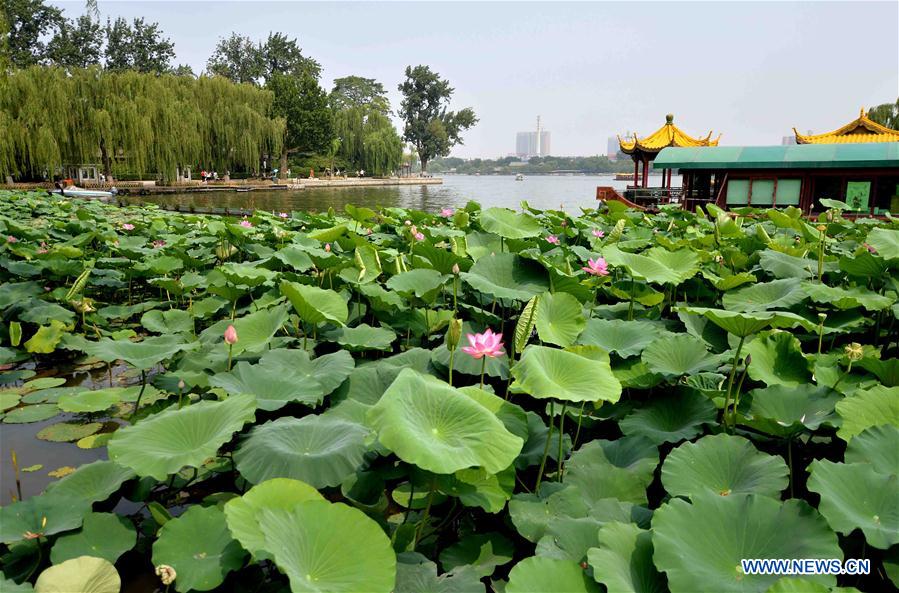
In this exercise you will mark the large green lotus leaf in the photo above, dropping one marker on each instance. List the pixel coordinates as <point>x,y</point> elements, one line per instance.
<point>658,265</point>
<point>879,446</point>
<point>363,337</point>
<point>142,355</point>
<point>777,294</point>
<point>295,257</point>
<point>482,551</point>
<point>783,411</point>
<point>509,224</point>
<point>12,293</point>
<point>254,331</point>
<point>284,376</point>
<point>44,514</point>
<point>624,338</point>
<point>745,324</point>
<point>513,417</point>
<point>856,495</point>
<point>417,574</point>
<point>66,432</point>
<point>33,413</point>
<point>507,276</point>
<point>620,469</point>
<point>245,274</point>
<point>314,304</point>
<point>172,439</point>
<point>847,298</point>
<point>173,321</point>
<point>623,560</point>
<point>544,372</point>
<point>679,354</point>
<point>866,408</point>
<point>8,400</point>
<point>42,312</point>
<point>92,482</point>
<point>725,465</point>
<point>670,418</point>
<point>777,359</point>
<point>886,371</point>
<point>103,535</point>
<point>885,241</point>
<point>85,574</point>
<point>538,574</point>
<point>429,424</point>
<point>783,265</point>
<point>700,545</point>
<point>423,283</point>
<point>319,450</point>
<point>368,262</point>
<point>324,547</point>
<point>865,265</point>
<point>90,401</point>
<point>560,318</point>
<point>568,538</point>
<point>46,338</point>
<point>199,547</point>
<point>476,487</point>
<point>242,513</point>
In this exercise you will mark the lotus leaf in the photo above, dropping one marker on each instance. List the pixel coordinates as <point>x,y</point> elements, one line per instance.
<point>142,355</point>
<point>165,442</point>
<point>544,372</point>
<point>670,418</point>
<point>92,482</point>
<point>509,224</point>
<point>43,514</point>
<point>777,294</point>
<point>62,432</point>
<point>549,575</point>
<point>364,337</point>
<point>885,242</point>
<point>783,410</point>
<point>657,265</point>
<point>414,574</point>
<point>879,446</point>
<point>623,560</point>
<point>483,552</point>
<point>559,318</point>
<point>315,305</point>
<point>33,413</point>
<point>619,469</point>
<point>507,276</point>
<point>866,408</point>
<point>777,359</point>
<point>174,321</point>
<point>677,355</point>
<point>624,338</point>
<point>422,283</point>
<point>85,574</point>
<point>103,535</point>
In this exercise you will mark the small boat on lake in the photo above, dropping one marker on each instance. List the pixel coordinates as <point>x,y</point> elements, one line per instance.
<point>73,191</point>
<point>624,176</point>
<point>519,177</point>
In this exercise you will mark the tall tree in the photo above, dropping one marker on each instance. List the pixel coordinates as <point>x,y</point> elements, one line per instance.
<point>280,55</point>
<point>356,91</point>
<point>137,46</point>
<point>886,114</point>
<point>429,126</point>
<point>303,104</point>
<point>29,23</point>
<point>236,58</point>
<point>77,44</point>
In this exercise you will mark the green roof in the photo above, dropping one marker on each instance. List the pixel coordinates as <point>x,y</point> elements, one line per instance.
<point>800,156</point>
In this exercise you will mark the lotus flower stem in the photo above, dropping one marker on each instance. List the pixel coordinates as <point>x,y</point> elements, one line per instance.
<point>577,433</point>
<point>562,441</point>
<point>549,438</point>
<point>630,308</point>
<point>821,318</point>
<point>730,381</point>
<point>740,388</point>
<point>143,385</point>
<point>230,348</point>
<point>451,361</point>
<point>424,517</point>
<point>15,466</point>
<point>483,368</point>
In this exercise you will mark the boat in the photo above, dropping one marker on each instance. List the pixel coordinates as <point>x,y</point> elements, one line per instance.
<point>519,177</point>
<point>243,189</point>
<point>624,176</point>
<point>73,191</point>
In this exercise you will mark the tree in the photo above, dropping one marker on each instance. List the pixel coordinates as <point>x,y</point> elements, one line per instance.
<point>280,55</point>
<point>137,46</point>
<point>29,23</point>
<point>886,115</point>
<point>429,126</point>
<point>304,106</point>
<point>355,91</point>
<point>236,58</point>
<point>183,70</point>
<point>77,44</point>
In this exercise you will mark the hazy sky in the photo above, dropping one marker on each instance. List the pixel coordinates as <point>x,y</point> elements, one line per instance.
<point>751,70</point>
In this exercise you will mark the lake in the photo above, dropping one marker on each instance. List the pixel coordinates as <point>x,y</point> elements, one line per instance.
<point>544,192</point>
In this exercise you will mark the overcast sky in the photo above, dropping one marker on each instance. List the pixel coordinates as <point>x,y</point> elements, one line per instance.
<point>750,70</point>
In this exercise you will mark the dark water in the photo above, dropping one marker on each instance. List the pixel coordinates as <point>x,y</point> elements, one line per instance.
<point>543,192</point>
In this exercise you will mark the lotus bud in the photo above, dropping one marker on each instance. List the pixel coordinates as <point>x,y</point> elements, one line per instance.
<point>408,223</point>
<point>456,269</point>
<point>166,574</point>
<point>230,335</point>
<point>821,228</point>
<point>328,247</point>
<point>454,334</point>
<point>181,385</point>
<point>748,360</point>
<point>853,351</point>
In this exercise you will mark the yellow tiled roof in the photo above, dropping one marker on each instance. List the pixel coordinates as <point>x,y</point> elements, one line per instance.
<point>667,135</point>
<point>862,129</point>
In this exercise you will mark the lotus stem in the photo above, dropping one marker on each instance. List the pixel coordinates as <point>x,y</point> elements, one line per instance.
<point>562,441</point>
<point>230,349</point>
<point>821,229</point>
<point>577,433</point>
<point>451,361</point>
<point>483,368</point>
<point>549,438</point>
<point>630,308</point>
<point>821,318</point>
<point>740,388</point>
<point>730,381</point>
<point>15,465</point>
<point>143,385</point>
<point>424,519</point>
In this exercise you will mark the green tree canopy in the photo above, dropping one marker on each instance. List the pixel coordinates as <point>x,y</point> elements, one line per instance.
<point>886,114</point>
<point>303,104</point>
<point>429,126</point>
<point>131,121</point>
<point>356,91</point>
<point>239,59</point>
<point>137,46</point>
<point>29,23</point>
<point>77,44</point>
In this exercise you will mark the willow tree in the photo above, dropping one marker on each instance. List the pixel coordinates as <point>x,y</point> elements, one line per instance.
<point>141,123</point>
<point>361,120</point>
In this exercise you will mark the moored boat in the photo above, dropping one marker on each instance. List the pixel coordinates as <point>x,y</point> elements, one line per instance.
<point>73,191</point>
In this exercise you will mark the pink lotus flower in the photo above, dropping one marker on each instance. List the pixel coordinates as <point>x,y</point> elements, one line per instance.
<point>446,212</point>
<point>230,335</point>
<point>128,226</point>
<point>419,236</point>
<point>597,267</point>
<point>870,248</point>
<point>552,239</point>
<point>246,224</point>
<point>11,239</point>
<point>408,222</point>
<point>486,344</point>
<point>328,247</point>
<point>598,233</point>
<point>283,215</point>
<point>158,244</point>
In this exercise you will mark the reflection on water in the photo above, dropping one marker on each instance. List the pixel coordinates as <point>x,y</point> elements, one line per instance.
<point>540,191</point>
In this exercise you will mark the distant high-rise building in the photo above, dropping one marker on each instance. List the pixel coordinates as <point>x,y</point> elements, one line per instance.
<point>530,144</point>
<point>612,148</point>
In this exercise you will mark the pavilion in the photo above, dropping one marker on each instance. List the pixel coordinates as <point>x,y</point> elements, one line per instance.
<point>859,130</point>
<point>644,150</point>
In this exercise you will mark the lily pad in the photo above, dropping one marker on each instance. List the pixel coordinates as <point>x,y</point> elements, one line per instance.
<point>33,413</point>
<point>90,401</point>
<point>64,432</point>
<point>142,355</point>
<point>85,574</point>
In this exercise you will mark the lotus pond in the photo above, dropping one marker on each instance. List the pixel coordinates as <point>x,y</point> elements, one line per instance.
<point>313,402</point>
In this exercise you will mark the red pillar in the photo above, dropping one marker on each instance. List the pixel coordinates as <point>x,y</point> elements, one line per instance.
<point>636,170</point>
<point>645,171</point>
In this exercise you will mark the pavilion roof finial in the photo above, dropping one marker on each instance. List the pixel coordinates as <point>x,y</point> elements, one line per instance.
<point>668,135</point>
<point>669,119</point>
